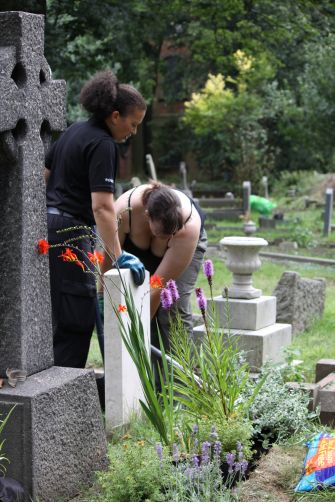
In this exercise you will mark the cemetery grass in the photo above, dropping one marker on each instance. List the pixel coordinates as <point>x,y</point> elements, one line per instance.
<point>277,473</point>
<point>316,343</point>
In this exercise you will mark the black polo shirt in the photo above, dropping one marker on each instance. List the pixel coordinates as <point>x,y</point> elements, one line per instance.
<point>83,160</point>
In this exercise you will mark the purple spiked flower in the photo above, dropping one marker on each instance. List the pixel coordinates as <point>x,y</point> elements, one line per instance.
<point>205,452</point>
<point>159,450</point>
<point>201,300</point>
<point>195,460</point>
<point>175,453</point>
<point>230,459</point>
<point>172,287</point>
<point>166,299</point>
<point>208,270</point>
<point>217,449</point>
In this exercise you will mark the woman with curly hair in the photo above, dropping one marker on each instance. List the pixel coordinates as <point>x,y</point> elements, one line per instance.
<point>81,167</point>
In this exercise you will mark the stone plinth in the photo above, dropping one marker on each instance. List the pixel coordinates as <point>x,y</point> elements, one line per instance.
<point>55,438</point>
<point>122,384</point>
<point>263,345</point>
<point>251,314</point>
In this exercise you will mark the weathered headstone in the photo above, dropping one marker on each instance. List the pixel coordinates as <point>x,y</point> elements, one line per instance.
<point>246,189</point>
<point>122,384</point>
<point>266,187</point>
<point>299,300</point>
<point>151,167</point>
<point>54,438</point>
<point>329,196</point>
<point>183,172</point>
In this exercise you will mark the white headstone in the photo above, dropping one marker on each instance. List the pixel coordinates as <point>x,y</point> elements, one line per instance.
<point>122,384</point>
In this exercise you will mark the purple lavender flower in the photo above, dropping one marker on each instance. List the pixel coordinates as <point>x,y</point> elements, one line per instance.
<point>217,449</point>
<point>208,270</point>
<point>195,429</point>
<point>230,459</point>
<point>195,460</point>
<point>166,299</point>
<point>189,473</point>
<point>159,450</point>
<point>244,467</point>
<point>201,300</point>
<point>205,450</point>
<point>196,444</point>
<point>175,453</point>
<point>172,287</point>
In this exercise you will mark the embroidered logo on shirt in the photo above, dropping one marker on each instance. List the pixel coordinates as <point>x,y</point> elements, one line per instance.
<point>109,180</point>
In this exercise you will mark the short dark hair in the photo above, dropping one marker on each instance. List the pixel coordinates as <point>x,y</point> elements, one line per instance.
<point>103,94</point>
<point>163,205</point>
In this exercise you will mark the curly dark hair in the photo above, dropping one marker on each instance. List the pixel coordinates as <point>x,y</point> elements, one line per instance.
<point>164,206</point>
<point>103,94</point>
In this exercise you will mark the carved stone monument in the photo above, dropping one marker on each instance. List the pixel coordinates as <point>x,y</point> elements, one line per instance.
<point>54,438</point>
<point>242,311</point>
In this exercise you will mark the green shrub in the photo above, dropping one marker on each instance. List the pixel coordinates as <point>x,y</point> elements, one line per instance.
<point>277,410</point>
<point>135,474</point>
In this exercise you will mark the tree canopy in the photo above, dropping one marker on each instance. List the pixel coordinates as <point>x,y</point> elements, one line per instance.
<point>286,108</point>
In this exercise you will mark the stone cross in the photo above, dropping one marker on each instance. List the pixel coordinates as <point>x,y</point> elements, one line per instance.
<point>32,106</point>
<point>329,195</point>
<point>246,189</point>
<point>151,167</point>
<point>56,416</point>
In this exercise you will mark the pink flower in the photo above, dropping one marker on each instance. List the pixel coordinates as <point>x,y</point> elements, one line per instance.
<point>172,286</point>
<point>166,299</point>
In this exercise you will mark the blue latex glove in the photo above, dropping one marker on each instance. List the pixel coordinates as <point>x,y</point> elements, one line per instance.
<point>127,260</point>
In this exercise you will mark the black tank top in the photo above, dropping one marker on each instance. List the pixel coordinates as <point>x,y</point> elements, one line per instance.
<point>146,256</point>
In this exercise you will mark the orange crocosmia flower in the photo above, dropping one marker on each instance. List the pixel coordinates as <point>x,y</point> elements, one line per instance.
<point>69,255</point>
<point>96,257</point>
<point>43,246</point>
<point>122,308</point>
<point>156,282</point>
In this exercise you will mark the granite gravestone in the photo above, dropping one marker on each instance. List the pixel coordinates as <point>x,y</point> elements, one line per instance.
<point>55,438</point>
<point>246,191</point>
<point>299,300</point>
<point>327,226</point>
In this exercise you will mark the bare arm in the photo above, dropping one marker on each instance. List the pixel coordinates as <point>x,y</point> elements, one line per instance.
<point>106,220</point>
<point>175,261</point>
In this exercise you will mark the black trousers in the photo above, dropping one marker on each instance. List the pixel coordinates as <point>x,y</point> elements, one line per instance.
<point>73,294</point>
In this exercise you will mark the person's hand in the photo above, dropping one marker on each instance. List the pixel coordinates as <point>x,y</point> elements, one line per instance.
<point>127,260</point>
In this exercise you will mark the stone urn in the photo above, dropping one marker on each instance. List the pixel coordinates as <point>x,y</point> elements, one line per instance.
<point>242,259</point>
<point>249,227</point>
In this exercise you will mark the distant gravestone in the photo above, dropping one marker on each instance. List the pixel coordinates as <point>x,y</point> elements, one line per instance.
<point>151,167</point>
<point>183,172</point>
<point>55,438</point>
<point>246,190</point>
<point>329,196</point>
<point>299,301</point>
<point>265,186</point>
